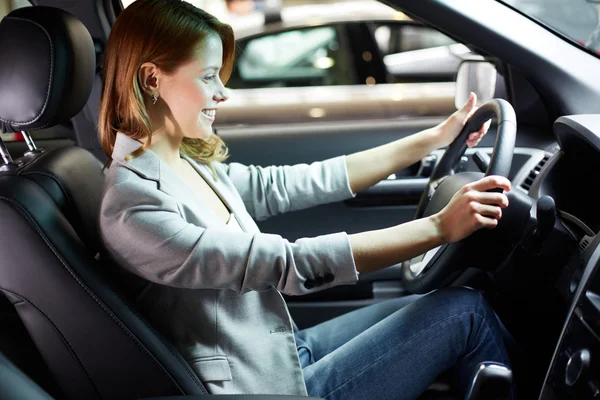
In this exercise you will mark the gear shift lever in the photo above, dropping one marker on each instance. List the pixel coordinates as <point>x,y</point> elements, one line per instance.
<point>491,382</point>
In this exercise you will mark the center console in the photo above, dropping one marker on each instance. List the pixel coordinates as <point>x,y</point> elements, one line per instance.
<point>574,372</point>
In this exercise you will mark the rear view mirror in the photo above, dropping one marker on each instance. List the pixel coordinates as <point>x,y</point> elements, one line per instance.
<point>478,76</point>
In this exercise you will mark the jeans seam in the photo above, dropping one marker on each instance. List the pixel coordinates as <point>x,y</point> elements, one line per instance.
<point>491,332</point>
<point>401,344</point>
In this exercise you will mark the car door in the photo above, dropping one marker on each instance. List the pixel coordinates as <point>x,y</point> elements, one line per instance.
<point>310,93</point>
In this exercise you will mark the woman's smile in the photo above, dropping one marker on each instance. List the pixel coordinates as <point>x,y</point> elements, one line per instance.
<point>209,114</point>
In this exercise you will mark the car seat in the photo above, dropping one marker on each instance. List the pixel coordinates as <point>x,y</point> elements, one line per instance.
<point>94,343</point>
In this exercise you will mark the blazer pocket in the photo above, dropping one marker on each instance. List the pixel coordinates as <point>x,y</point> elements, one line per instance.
<point>213,368</point>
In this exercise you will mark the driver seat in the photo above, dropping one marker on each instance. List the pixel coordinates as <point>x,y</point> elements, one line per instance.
<point>94,343</point>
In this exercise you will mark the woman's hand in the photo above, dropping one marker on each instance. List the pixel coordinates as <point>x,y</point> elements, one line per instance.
<point>472,208</point>
<point>448,130</point>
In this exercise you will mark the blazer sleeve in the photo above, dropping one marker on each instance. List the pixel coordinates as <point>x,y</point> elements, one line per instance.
<point>268,191</point>
<point>144,233</point>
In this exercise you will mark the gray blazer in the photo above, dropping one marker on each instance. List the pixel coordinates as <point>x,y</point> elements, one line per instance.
<point>215,292</point>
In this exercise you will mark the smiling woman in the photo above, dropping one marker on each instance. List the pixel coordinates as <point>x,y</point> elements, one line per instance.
<point>202,272</point>
<point>146,75</point>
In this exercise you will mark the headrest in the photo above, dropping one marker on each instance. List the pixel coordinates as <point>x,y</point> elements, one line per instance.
<point>47,68</point>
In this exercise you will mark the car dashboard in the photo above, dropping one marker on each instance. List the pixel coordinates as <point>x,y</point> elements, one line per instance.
<point>568,174</point>
<point>570,178</point>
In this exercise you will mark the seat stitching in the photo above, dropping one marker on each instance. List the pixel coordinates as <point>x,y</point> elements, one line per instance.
<point>106,310</point>
<point>62,337</point>
<point>58,182</point>
<point>159,337</point>
<point>49,77</point>
<point>70,201</point>
<point>185,366</point>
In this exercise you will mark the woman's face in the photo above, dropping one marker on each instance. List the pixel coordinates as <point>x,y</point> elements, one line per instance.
<point>194,91</point>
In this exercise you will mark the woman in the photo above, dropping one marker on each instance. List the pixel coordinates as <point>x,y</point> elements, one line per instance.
<point>182,224</point>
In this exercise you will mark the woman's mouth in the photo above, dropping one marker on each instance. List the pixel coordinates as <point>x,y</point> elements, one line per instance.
<point>209,113</point>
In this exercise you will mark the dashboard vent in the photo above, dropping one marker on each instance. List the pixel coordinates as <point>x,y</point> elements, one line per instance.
<point>533,174</point>
<point>584,243</point>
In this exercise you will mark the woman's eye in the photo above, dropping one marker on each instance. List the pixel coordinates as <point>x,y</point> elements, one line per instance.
<point>210,78</point>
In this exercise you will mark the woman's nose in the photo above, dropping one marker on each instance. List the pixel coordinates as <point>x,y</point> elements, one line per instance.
<point>221,95</point>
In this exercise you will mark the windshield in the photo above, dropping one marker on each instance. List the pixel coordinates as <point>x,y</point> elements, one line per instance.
<point>577,20</point>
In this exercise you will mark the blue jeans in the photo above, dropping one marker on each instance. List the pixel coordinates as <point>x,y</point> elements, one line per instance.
<point>397,348</point>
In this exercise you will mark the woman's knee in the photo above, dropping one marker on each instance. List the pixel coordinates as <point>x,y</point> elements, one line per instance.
<point>483,320</point>
<point>467,305</point>
<point>462,299</point>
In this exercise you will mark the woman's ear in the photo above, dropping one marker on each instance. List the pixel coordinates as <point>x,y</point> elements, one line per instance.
<point>148,78</point>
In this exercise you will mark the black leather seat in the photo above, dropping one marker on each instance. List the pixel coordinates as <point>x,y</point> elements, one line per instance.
<point>95,345</point>
<point>93,342</point>
<point>16,385</point>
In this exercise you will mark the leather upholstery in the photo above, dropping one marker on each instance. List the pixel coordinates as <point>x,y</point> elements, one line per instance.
<point>16,386</point>
<point>73,178</point>
<point>94,344</point>
<point>47,69</point>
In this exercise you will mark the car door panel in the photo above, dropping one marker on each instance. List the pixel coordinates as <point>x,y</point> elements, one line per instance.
<point>396,191</point>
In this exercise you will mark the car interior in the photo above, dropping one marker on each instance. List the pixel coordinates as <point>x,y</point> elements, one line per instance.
<point>68,332</point>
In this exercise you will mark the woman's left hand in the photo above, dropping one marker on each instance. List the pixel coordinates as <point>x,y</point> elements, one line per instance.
<point>451,127</point>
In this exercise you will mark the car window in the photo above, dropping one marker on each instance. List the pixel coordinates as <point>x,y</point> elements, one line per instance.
<point>397,38</point>
<point>417,53</point>
<point>297,57</point>
<point>578,20</point>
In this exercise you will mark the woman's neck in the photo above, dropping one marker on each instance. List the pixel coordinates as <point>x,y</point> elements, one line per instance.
<point>166,148</point>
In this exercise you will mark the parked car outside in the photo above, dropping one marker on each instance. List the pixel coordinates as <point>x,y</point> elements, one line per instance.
<point>349,60</point>
<point>352,60</point>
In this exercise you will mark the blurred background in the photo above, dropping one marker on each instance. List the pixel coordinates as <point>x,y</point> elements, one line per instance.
<point>351,60</point>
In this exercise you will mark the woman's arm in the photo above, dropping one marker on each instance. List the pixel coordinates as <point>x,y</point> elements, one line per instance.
<point>471,208</point>
<point>368,167</point>
<point>269,191</point>
<point>145,233</point>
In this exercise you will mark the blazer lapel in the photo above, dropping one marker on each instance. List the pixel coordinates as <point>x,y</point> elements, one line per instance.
<point>146,165</point>
<point>222,190</point>
<point>150,166</point>
<point>217,186</point>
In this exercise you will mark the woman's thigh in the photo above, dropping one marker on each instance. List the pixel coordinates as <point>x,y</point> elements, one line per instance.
<point>327,336</point>
<point>402,354</point>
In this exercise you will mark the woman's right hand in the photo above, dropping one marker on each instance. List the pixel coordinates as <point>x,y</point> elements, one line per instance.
<point>472,208</point>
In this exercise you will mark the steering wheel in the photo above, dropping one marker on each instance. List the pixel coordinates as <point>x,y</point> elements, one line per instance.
<point>439,266</point>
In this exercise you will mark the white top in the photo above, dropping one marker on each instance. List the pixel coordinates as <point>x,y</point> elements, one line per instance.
<point>233,223</point>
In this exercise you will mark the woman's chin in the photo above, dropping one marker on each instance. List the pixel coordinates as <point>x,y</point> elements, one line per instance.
<point>201,134</point>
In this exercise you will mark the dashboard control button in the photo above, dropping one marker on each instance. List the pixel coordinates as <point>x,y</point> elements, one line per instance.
<point>577,366</point>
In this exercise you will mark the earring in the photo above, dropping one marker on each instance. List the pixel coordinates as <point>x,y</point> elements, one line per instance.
<point>154,99</point>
